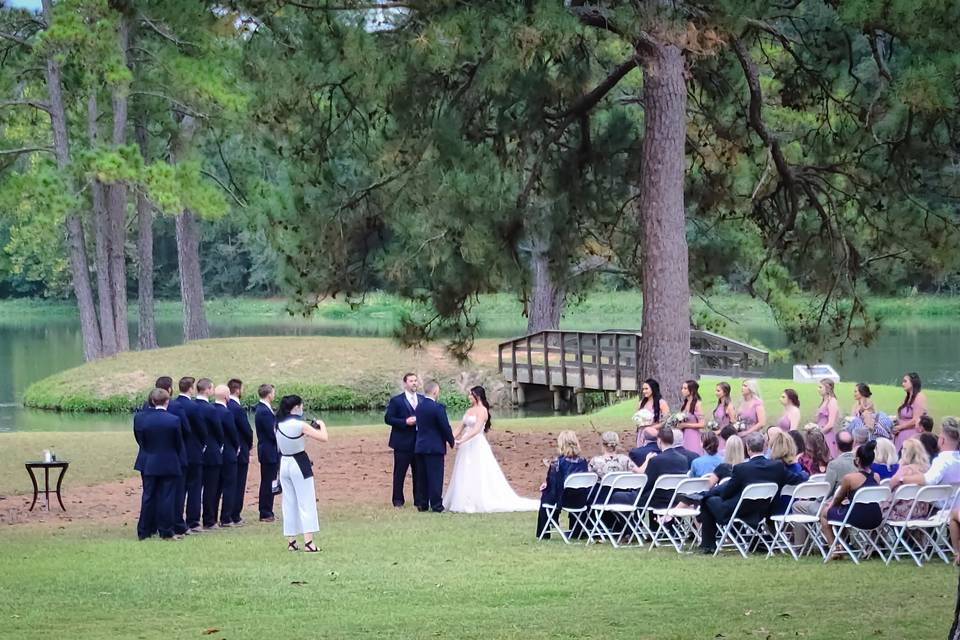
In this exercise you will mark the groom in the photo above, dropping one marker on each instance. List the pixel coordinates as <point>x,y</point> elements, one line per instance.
<point>433,436</point>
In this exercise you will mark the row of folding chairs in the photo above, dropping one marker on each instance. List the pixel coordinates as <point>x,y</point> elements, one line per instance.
<point>607,518</point>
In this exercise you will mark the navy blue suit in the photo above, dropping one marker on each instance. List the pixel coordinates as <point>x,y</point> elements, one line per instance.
<point>196,443</point>
<point>268,455</point>
<point>228,470</point>
<point>176,408</point>
<point>147,523</point>
<point>719,506</point>
<point>433,436</point>
<point>403,439</point>
<point>212,460</point>
<point>639,454</point>
<point>245,434</point>
<point>161,440</point>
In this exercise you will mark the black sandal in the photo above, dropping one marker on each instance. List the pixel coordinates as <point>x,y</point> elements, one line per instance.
<point>310,547</point>
<point>292,546</point>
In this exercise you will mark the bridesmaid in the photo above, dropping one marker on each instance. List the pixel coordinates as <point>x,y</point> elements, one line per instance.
<point>790,419</point>
<point>908,415</point>
<point>861,394</point>
<point>693,422</point>
<point>652,401</point>
<point>724,413</point>
<point>827,415</point>
<point>751,411</point>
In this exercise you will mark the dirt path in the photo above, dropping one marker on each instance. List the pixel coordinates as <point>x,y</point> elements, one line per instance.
<point>350,471</point>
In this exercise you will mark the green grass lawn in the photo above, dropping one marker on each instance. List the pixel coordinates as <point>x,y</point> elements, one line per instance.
<point>409,575</point>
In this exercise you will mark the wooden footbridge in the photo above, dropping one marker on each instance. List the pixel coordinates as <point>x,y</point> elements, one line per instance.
<point>569,363</point>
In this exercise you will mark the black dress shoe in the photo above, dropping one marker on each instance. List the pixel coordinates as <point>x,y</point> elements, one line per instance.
<point>398,505</point>
<point>708,551</point>
<point>268,519</point>
<point>438,510</point>
<point>421,509</point>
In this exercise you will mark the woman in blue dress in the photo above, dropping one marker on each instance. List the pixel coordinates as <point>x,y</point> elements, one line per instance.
<point>568,461</point>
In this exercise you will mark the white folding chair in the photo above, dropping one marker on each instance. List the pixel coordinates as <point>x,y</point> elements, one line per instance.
<point>681,518</point>
<point>742,534</point>
<point>885,482</point>
<point>919,537</point>
<point>666,482</point>
<point>554,511</point>
<point>785,524</point>
<point>602,491</point>
<point>886,536</point>
<point>817,477</point>
<point>622,513</point>
<point>861,540</point>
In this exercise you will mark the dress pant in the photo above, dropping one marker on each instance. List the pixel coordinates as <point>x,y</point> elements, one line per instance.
<point>147,522</point>
<point>428,493</point>
<point>268,473</point>
<point>158,502</point>
<point>240,491</point>
<point>713,511</point>
<point>194,485</point>
<point>228,485</point>
<point>403,460</point>
<point>179,498</point>
<point>211,493</point>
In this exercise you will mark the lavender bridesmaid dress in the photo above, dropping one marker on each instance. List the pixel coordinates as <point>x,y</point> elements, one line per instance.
<point>748,413</point>
<point>784,422</point>
<point>904,415</point>
<point>720,416</point>
<point>691,437</point>
<point>823,415</point>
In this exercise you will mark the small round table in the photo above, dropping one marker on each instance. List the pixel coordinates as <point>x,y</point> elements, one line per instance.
<point>46,466</point>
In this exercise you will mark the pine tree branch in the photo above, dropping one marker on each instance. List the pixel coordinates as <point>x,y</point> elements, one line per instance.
<point>42,106</point>
<point>22,150</point>
<point>178,106</point>
<point>224,187</point>
<point>360,6</point>
<point>15,38</point>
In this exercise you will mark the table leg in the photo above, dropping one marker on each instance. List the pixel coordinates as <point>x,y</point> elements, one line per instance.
<point>36,489</point>
<point>63,472</point>
<point>46,486</point>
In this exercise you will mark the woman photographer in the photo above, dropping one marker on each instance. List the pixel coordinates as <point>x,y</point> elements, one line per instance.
<point>296,472</point>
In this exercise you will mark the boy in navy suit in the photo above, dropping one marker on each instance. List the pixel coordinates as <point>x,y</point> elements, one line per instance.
<point>267,452</point>
<point>433,436</point>
<point>401,416</point>
<point>245,434</point>
<point>160,437</point>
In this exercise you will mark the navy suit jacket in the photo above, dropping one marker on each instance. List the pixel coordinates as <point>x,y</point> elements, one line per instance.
<point>433,428</point>
<point>639,455</point>
<point>176,408</point>
<point>754,470</point>
<point>196,439</point>
<point>231,437</point>
<point>686,453</point>
<point>137,426</point>
<point>206,411</point>
<point>161,439</point>
<point>266,423</point>
<point>403,437</point>
<point>244,431</point>
<point>666,462</point>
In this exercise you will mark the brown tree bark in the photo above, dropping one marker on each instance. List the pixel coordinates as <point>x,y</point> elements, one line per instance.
<point>188,247</point>
<point>101,226</point>
<point>82,289</point>
<point>146,329</point>
<point>546,295</point>
<point>665,346</point>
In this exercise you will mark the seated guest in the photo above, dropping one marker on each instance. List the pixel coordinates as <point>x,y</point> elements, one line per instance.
<point>678,445</point>
<point>782,448</point>
<point>798,442</point>
<point>718,508</point>
<point>733,455</point>
<point>610,460</point>
<point>725,434</point>
<point>945,468</point>
<point>769,436</point>
<point>866,516</point>
<point>649,436</point>
<point>913,460</point>
<point>160,438</point>
<point>930,442</point>
<point>815,456</point>
<point>843,464</point>
<point>926,424</point>
<point>706,463</point>
<point>567,462</point>
<point>861,436</point>
<point>885,462</point>
<point>668,461</point>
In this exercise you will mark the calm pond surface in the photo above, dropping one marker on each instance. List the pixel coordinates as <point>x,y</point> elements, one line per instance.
<point>32,351</point>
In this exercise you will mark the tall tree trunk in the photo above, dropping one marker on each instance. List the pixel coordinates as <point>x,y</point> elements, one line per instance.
<point>117,207</point>
<point>82,289</point>
<point>665,346</point>
<point>188,247</point>
<point>101,226</point>
<point>546,296</point>
<point>146,330</point>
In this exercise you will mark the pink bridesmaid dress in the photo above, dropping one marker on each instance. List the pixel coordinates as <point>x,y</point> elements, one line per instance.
<point>691,437</point>
<point>823,415</point>
<point>720,416</point>
<point>904,415</point>
<point>748,412</point>
<point>784,422</point>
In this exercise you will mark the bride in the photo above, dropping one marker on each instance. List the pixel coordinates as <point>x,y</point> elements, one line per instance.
<point>477,485</point>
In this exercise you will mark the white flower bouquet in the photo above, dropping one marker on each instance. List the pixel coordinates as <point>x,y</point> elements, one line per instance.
<point>643,418</point>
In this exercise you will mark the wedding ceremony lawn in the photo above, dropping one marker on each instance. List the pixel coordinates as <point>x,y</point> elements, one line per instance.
<point>383,573</point>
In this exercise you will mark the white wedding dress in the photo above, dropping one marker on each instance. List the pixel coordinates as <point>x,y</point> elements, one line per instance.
<point>477,484</point>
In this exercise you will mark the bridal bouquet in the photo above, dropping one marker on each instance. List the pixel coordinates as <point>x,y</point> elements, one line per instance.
<point>712,425</point>
<point>643,418</point>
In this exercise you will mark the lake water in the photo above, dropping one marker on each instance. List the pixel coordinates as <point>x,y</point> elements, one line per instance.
<point>31,351</point>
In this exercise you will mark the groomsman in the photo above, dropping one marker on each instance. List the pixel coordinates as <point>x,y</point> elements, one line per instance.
<point>179,524</point>
<point>245,434</point>
<point>212,454</point>
<point>146,523</point>
<point>401,416</point>
<point>231,447</point>
<point>267,452</point>
<point>433,436</point>
<point>160,437</point>
<point>196,441</point>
